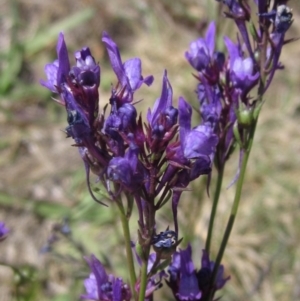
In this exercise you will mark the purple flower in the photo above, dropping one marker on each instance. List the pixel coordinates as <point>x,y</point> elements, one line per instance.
<point>189,284</point>
<point>210,104</point>
<point>242,72</point>
<point>121,120</point>
<point>127,170</point>
<point>201,51</point>
<point>84,83</point>
<point>57,71</point>
<point>127,114</point>
<point>3,231</point>
<point>205,272</point>
<point>183,279</point>
<point>77,86</point>
<point>162,105</point>
<point>103,287</point>
<point>162,119</point>
<point>197,142</point>
<point>86,72</point>
<point>129,73</point>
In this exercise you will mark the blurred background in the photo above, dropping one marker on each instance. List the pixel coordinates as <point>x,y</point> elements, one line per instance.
<point>42,181</point>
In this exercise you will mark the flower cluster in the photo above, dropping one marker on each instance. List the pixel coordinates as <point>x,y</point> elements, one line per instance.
<point>151,162</point>
<point>225,81</point>
<point>144,161</point>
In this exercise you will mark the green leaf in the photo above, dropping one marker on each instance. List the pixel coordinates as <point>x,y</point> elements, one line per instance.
<point>51,210</point>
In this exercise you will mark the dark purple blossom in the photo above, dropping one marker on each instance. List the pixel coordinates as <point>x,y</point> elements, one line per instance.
<point>163,103</point>
<point>128,170</point>
<point>189,284</point>
<point>162,119</point>
<point>103,287</point>
<point>204,274</point>
<point>127,113</point>
<point>86,72</point>
<point>77,85</point>
<point>84,83</point>
<point>129,73</point>
<point>121,121</point>
<point>3,231</point>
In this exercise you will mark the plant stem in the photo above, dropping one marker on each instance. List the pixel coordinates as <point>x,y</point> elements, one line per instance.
<point>235,204</point>
<point>126,232</point>
<point>214,208</point>
<point>143,283</point>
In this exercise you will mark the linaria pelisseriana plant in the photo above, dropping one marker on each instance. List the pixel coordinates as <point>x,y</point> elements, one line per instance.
<point>146,164</point>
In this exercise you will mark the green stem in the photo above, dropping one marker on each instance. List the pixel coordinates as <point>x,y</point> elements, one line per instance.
<point>143,283</point>
<point>126,232</point>
<point>214,208</point>
<point>235,205</point>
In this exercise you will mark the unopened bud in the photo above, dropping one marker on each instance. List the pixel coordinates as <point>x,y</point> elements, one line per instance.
<point>245,117</point>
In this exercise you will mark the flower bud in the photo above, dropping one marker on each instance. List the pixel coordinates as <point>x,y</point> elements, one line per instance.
<point>245,117</point>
